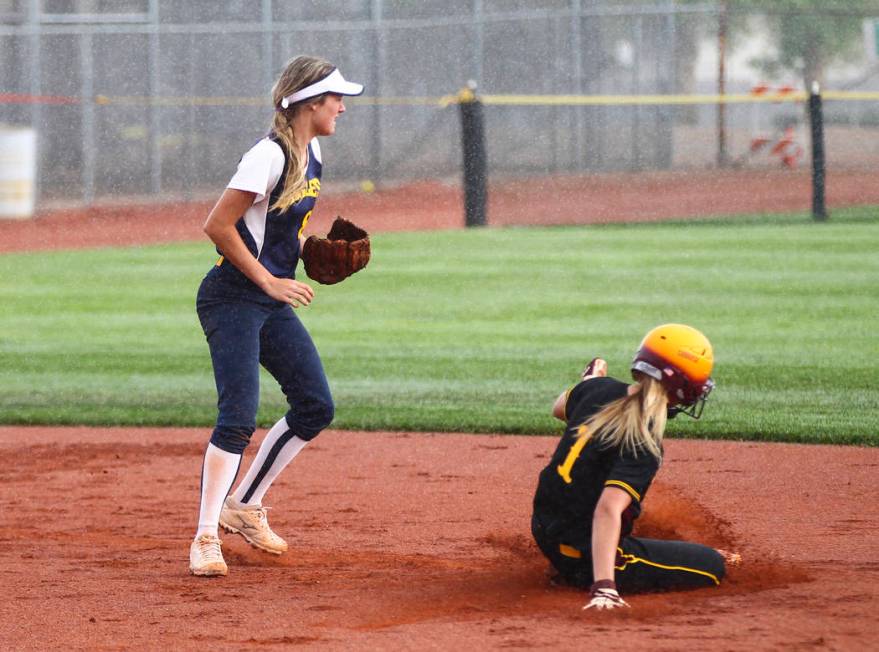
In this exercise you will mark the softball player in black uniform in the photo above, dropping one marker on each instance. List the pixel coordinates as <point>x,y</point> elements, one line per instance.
<point>244,305</point>
<point>590,493</point>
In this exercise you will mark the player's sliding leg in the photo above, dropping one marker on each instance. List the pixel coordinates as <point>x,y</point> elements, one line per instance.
<point>655,565</point>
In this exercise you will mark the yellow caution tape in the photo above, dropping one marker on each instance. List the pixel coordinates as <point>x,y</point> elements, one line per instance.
<point>466,95</point>
<point>622,100</point>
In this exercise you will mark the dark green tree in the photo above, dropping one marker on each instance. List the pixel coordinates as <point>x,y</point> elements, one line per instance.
<point>809,35</point>
<point>806,35</point>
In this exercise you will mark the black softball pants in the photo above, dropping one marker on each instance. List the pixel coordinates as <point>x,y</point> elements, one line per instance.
<point>642,565</point>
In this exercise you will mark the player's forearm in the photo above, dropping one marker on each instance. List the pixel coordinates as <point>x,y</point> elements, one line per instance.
<point>606,525</point>
<point>558,408</point>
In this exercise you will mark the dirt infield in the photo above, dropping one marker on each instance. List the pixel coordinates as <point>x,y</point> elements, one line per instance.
<point>419,542</point>
<point>405,541</point>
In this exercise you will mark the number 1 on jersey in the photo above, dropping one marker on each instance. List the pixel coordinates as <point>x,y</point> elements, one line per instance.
<point>564,469</point>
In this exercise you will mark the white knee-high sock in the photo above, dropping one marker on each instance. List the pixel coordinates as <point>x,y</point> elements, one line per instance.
<point>217,475</point>
<point>277,450</point>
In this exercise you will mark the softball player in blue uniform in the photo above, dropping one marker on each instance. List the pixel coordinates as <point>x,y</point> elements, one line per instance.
<point>590,493</point>
<point>245,307</point>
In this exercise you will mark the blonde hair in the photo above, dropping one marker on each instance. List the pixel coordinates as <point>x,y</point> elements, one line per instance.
<point>635,422</point>
<point>298,73</point>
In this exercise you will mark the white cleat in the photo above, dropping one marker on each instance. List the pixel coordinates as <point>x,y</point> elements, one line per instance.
<point>206,558</point>
<point>250,521</point>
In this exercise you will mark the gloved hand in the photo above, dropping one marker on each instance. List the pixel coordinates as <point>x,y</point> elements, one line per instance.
<point>343,252</point>
<point>605,596</point>
<point>596,367</point>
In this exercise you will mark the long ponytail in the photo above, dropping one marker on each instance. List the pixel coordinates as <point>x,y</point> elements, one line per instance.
<point>635,422</point>
<point>299,73</point>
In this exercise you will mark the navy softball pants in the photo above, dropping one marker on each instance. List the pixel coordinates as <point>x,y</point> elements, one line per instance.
<point>641,565</point>
<point>245,328</point>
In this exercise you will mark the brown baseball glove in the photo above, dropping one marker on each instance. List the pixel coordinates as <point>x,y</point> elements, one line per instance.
<point>343,252</point>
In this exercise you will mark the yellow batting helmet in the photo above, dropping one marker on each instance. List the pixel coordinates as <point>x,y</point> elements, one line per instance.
<point>681,358</point>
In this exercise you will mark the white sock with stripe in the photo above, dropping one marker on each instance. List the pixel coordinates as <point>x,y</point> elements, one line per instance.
<point>277,450</point>
<point>218,472</point>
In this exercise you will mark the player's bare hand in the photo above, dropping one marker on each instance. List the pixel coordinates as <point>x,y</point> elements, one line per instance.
<point>605,599</point>
<point>289,291</point>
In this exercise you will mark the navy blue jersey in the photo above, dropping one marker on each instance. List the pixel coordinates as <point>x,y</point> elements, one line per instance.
<point>581,467</point>
<point>272,236</point>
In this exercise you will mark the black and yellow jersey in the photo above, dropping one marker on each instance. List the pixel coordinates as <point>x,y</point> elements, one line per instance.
<point>581,467</point>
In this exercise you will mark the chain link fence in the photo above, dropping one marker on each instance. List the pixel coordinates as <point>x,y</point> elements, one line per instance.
<point>161,98</point>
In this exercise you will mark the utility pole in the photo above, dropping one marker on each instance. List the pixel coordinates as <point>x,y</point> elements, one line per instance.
<point>722,26</point>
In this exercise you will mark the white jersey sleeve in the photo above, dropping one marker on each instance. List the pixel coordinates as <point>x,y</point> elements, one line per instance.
<point>259,170</point>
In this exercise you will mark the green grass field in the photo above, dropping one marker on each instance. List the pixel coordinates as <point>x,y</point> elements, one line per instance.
<point>476,330</point>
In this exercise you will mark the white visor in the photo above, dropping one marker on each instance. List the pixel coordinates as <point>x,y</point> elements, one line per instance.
<point>332,83</point>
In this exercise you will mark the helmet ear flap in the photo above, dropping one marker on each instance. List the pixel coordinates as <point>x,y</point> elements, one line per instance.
<point>639,364</point>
